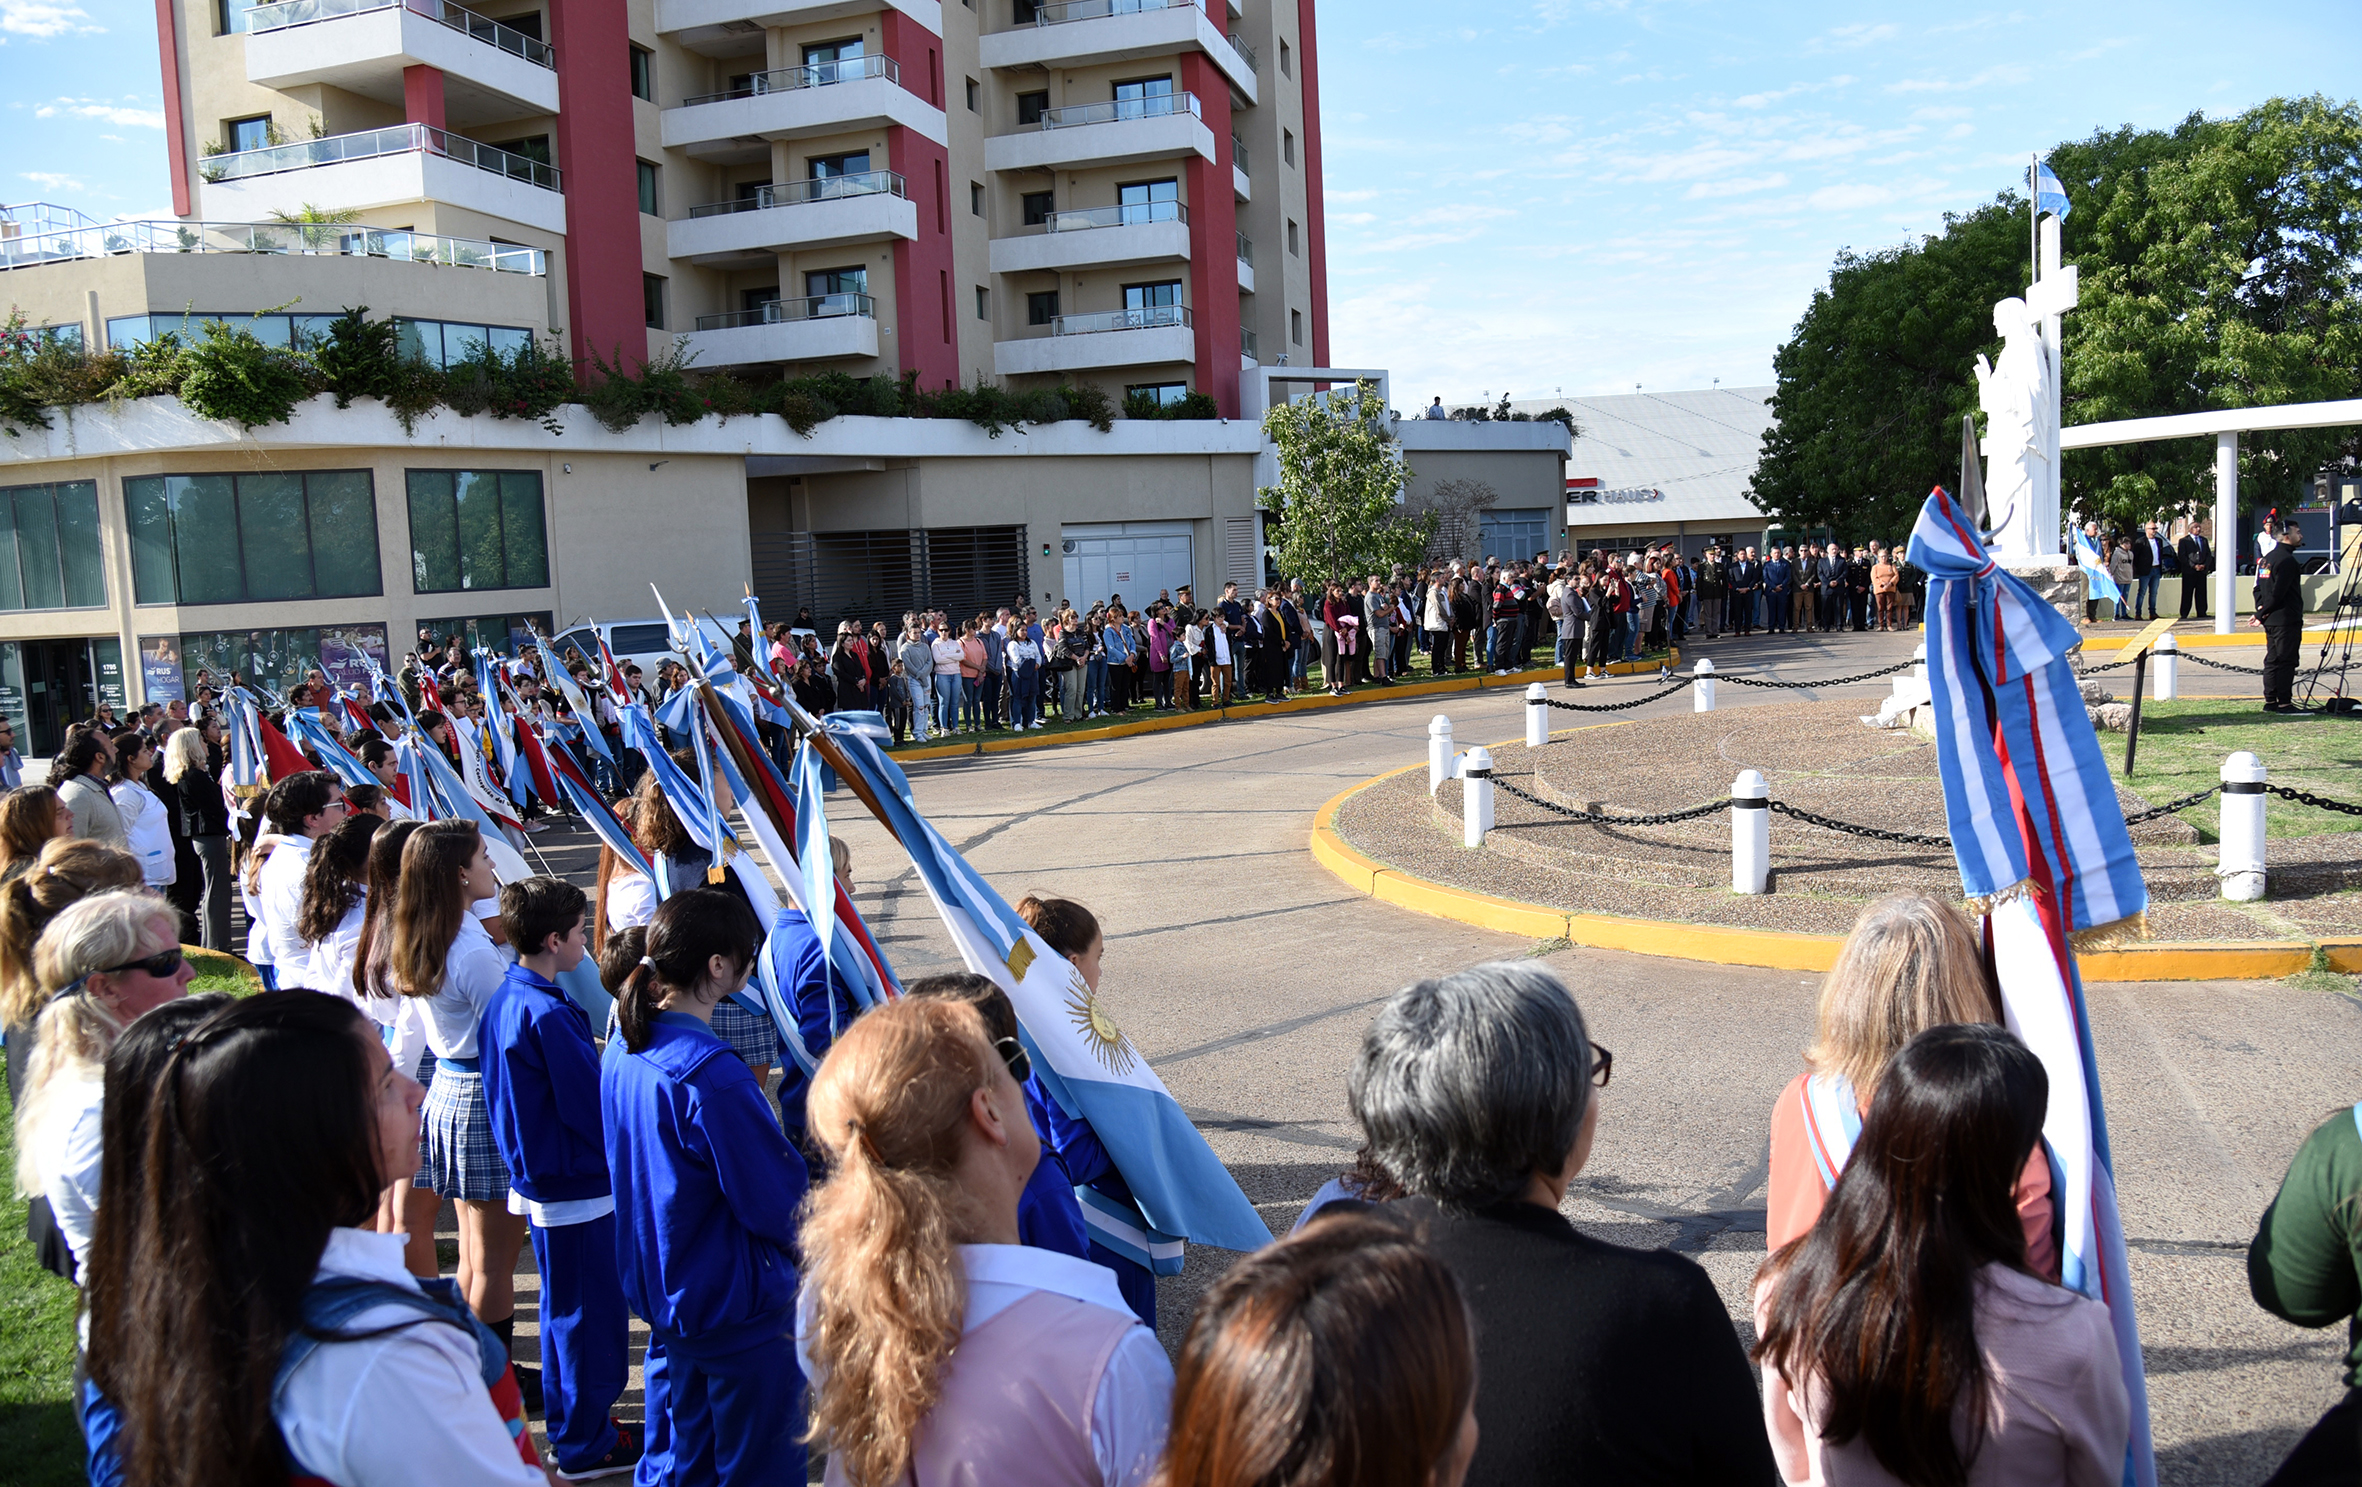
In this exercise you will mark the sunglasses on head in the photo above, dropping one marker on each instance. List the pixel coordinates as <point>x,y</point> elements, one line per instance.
<point>1014,1055</point>
<point>161,964</point>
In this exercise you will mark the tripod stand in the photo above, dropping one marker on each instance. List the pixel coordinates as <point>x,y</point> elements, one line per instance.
<point>2343,627</point>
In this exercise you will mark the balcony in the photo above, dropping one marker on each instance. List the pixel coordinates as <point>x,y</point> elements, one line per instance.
<point>1098,237</point>
<point>734,28</point>
<point>736,126</point>
<point>1087,33</point>
<point>865,208</point>
<point>1246,349</point>
<point>1124,131</point>
<point>490,71</point>
<point>406,164</point>
<point>1239,185</point>
<point>825,327</point>
<point>308,239</point>
<point>1246,264</point>
<point>1154,336</point>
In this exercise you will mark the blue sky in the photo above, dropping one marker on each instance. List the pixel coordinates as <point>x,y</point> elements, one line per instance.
<point>1533,195</point>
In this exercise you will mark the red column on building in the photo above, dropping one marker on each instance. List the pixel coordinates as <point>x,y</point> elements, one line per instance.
<point>422,95</point>
<point>1213,239</point>
<point>598,160</point>
<point>176,132</point>
<point>1316,226</point>
<point>926,330</point>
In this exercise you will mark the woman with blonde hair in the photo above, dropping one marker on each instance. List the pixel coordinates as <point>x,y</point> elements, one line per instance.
<point>1910,963</point>
<point>65,870</point>
<point>31,816</point>
<point>940,1348</point>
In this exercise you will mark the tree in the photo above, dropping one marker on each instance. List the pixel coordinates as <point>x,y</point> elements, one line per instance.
<point>1340,473</point>
<point>2217,262</point>
<point>1458,507</point>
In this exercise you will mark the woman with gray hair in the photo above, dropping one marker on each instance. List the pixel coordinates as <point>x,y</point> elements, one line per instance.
<point>1601,1364</point>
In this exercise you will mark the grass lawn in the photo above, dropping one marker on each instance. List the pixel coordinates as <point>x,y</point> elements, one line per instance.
<point>40,1445</point>
<point>2183,745</point>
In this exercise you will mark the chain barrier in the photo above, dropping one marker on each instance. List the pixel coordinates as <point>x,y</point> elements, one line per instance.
<point>2171,807</point>
<point>1663,818</point>
<point>2306,797</point>
<point>1840,681</point>
<point>2112,665</point>
<point>1617,707</point>
<point>2221,665</point>
<point>1907,838</point>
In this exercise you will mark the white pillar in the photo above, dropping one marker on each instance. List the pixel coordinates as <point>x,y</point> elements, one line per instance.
<point>2242,866</point>
<point>2164,664</point>
<point>1919,661</point>
<point>1750,833</point>
<point>1439,752</point>
<point>1537,715</point>
<point>1476,796</point>
<point>2226,532</point>
<point>1701,688</point>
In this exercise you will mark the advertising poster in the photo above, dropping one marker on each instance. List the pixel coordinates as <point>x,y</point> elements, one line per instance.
<point>106,658</point>
<point>159,669</point>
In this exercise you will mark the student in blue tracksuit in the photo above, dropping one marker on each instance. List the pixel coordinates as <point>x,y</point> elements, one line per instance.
<point>823,1005</point>
<point>706,1193</point>
<point>541,1079</point>
<point>1071,930</point>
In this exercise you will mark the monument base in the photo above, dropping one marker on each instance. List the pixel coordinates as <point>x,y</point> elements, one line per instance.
<point>2061,584</point>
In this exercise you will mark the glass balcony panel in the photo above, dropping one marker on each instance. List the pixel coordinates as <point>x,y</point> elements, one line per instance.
<point>810,307</point>
<point>400,139</point>
<point>349,240</point>
<point>286,13</point>
<point>1146,317</point>
<point>815,75</point>
<point>1157,106</point>
<point>795,193</point>
<point>1130,214</point>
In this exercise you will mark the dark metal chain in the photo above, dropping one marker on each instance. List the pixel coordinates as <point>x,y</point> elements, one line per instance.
<point>1841,681</point>
<point>1663,818</point>
<point>2110,666</point>
<point>1617,707</point>
<point>2221,665</point>
<point>1908,838</point>
<point>2171,807</point>
<point>2306,797</point>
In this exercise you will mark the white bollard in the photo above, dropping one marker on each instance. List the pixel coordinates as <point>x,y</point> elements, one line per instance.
<point>1476,796</point>
<point>1537,716</point>
<point>1701,687</point>
<point>2165,661</point>
<point>2242,866</point>
<point>1919,660</point>
<point>1439,752</point>
<point>1750,833</point>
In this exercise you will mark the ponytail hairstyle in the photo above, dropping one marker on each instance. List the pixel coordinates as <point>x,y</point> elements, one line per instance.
<point>689,930</point>
<point>1066,926</point>
<point>429,905</point>
<point>370,977</point>
<point>888,1108</point>
<point>619,957</point>
<point>66,870</point>
<point>333,877</point>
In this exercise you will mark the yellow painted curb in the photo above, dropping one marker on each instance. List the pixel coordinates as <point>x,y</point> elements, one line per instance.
<point>1765,949</point>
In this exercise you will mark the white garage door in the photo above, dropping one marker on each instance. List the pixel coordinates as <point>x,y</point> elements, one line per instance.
<point>1137,559</point>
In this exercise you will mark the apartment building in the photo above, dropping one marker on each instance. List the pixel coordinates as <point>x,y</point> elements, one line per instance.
<point>1121,192</point>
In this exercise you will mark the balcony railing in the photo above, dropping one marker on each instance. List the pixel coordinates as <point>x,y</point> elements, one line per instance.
<point>288,13</point>
<point>1246,344</point>
<point>1246,54</point>
<point>1162,106</point>
<point>329,239</point>
<point>1238,155</point>
<point>1246,248</point>
<point>779,311</point>
<point>1148,317</point>
<point>810,75</point>
<point>401,139</point>
<point>1059,12</point>
<point>796,193</point>
<point>1132,214</point>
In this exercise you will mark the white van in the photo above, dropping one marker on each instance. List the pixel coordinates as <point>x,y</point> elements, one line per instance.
<point>648,642</point>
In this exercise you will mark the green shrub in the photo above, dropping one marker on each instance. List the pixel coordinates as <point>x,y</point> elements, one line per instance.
<point>1196,405</point>
<point>362,357</point>
<point>231,376</point>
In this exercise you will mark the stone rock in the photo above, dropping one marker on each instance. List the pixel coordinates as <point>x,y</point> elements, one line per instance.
<point>2116,717</point>
<point>2095,694</point>
<point>2060,584</point>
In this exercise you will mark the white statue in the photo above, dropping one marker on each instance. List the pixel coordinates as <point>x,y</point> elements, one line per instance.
<point>2021,436</point>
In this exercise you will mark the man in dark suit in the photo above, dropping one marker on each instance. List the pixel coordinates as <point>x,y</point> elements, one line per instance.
<point>1746,577</point>
<point>2197,559</point>
<point>2148,566</point>
<point>1857,589</point>
<point>2280,610</point>
<point>1832,567</point>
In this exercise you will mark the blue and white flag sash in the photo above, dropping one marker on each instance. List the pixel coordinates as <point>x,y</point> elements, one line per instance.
<point>2045,856</point>
<point>1832,1123</point>
<point>1116,1226</point>
<point>2103,585</point>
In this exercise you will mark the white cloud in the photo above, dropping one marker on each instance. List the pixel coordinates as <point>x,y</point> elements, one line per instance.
<point>1349,196</point>
<point>2007,74</point>
<point>44,18</point>
<point>1547,129</point>
<point>91,108</point>
<point>1960,131</point>
<point>1736,186</point>
<point>1850,38</point>
<point>1352,219</point>
<point>51,181</point>
<point>1936,113</point>
<point>1848,198</point>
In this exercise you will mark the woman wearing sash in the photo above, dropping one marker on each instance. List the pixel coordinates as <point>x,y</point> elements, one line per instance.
<point>1910,964</point>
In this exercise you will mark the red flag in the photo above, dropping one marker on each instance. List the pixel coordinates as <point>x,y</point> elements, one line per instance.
<point>280,758</point>
<point>616,686</point>
<point>538,760</point>
<point>427,690</point>
<point>359,714</point>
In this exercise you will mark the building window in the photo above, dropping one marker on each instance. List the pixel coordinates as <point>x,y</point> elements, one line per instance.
<point>279,658</point>
<point>975,97</point>
<point>446,343</point>
<point>49,552</point>
<point>652,300</point>
<point>1148,201</point>
<point>1287,147</point>
<point>1287,61</point>
<point>976,198</point>
<point>643,74</point>
<point>1296,326</point>
<point>649,206</point>
<point>834,167</point>
<point>1038,207</point>
<point>232,539</point>
<point>1162,394</point>
<point>509,634</point>
<point>533,147</point>
<point>1292,235</point>
<point>229,17</point>
<point>983,303</point>
<point>298,332</point>
<point>1041,307</point>
<point>1031,107</point>
<point>476,529</point>
<point>1024,12</point>
<point>248,134</point>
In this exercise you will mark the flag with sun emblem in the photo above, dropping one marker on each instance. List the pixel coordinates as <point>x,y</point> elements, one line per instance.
<point>1083,1057</point>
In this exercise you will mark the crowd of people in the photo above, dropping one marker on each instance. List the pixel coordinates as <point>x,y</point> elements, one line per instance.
<point>884,1260</point>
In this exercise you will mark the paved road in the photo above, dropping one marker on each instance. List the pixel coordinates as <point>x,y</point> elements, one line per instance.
<point>1247,974</point>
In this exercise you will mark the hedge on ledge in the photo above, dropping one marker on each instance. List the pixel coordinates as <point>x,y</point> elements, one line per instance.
<point>222,371</point>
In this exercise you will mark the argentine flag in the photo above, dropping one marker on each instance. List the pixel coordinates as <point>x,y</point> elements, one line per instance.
<point>2087,558</point>
<point>1083,1057</point>
<point>2049,195</point>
